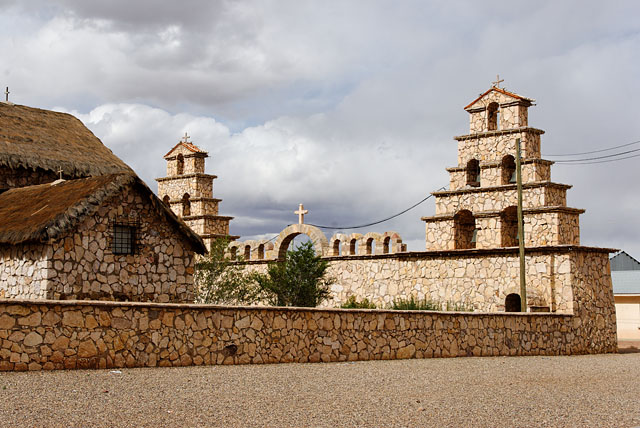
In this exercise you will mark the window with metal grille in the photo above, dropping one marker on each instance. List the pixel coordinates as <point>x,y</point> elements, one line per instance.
<point>124,239</point>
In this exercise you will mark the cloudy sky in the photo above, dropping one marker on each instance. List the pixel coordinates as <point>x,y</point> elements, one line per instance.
<point>346,106</point>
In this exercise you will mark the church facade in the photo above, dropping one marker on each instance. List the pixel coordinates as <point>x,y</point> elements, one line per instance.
<point>471,251</point>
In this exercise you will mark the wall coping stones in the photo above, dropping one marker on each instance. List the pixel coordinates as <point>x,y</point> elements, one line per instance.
<point>501,188</point>
<point>192,175</point>
<point>195,306</point>
<point>493,164</point>
<point>499,132</point>
<point>472,252</point>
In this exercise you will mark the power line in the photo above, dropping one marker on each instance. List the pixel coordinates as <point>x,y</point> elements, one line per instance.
<point>594,151</point>
<point>375,222</point>
<point>602,161</point>
<point>598,157</point>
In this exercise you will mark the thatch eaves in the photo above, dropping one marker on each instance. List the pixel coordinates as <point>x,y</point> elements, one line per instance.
<point>49,212</point>
<point>33,138</point>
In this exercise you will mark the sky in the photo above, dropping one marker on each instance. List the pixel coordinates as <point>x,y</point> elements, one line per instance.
<point>349,107</point>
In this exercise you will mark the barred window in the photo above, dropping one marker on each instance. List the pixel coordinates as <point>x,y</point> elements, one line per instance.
<point>124,239</point>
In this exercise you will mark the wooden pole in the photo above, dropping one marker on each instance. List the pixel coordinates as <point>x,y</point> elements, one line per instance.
<point>523,285</point>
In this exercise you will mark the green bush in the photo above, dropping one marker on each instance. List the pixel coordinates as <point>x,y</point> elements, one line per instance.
<point>352,303</point>
<point>222,281</point>
<point>299,280</point>
<point>411,304</point>
<point>459,306</point>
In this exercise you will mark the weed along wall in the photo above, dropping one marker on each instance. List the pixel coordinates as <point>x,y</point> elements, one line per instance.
<point>37,335</point>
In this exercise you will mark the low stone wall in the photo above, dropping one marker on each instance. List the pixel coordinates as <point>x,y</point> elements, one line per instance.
<point>37,335</point>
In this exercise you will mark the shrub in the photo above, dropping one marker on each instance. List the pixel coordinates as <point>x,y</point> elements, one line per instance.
<point>459,306</point>
<point>352,303</point>
<point>299,280</point>
<point>222,281</point>
<point>412,304</point>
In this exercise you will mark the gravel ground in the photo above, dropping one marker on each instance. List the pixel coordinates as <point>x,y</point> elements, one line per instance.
<point>580,391</point>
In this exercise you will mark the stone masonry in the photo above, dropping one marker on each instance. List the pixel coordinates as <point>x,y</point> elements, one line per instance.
<point>189,192</point>
<point>82,265</point>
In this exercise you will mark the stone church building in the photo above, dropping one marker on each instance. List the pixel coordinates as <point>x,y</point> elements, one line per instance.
<point>77,223</point>
<point>471,251</point>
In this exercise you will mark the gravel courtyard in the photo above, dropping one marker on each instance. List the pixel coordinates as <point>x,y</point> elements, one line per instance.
<point>580,391</point>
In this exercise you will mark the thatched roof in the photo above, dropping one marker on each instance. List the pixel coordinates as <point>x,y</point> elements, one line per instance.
<point>50,211</point>
<point>33,138</point>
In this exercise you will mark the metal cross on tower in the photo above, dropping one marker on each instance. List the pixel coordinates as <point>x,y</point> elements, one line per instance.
<point>6,94</point>
<point>496,84</point>
<point>301,212</point>
<point>185,139</point>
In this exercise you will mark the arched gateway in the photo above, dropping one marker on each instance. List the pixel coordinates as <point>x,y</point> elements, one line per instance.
<point>320,242</point>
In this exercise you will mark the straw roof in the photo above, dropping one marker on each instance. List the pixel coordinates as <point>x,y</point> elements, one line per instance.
<point>33,138</point>
<point>48,212</point>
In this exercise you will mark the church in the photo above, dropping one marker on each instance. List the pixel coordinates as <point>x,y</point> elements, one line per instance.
<point>471,255</point>
<point>78,223</point>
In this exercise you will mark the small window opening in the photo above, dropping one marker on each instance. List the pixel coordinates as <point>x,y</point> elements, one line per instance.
<point>508,170</point>
<point>465,230</point>
<point>124,239</point>
<point>233,253</point>
<point>371,246</point>
<point>180,165</point>
<point>186,205</point>
<point>509,227</point>
<point>166,200</point>
<point>512,303</point>
<point>261,251</point>
<point>386,245</point>
<point>247,252</point>
<point>473,173</point>
<point>353,247</point>
<point>493,116</point>
<point>336,247</point>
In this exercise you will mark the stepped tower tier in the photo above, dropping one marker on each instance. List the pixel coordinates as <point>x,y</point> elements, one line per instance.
<point>188,191</point>
<point>479,209</point>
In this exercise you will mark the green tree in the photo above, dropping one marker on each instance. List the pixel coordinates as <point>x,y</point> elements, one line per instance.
<point>220,280</point>
<point>299,280</point>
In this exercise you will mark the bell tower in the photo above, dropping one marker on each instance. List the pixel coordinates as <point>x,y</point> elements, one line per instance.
<point>479,208</point>
<point>188,191</point>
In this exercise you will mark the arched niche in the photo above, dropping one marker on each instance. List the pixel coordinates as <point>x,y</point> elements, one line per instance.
<point>512,303</point>
<point>493,117</point>
<point>508,167</point>
<point>320,242</point>
<point>509,227</point>
<point>180,164</point>
<point>465,230</point>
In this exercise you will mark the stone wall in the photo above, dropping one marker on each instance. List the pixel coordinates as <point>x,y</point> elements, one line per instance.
<point>23,271</point>
<point>48,335</point>
<point>480,278</point>
<point>83,266</point>
<point>477,146</point>
<point>497,199</point>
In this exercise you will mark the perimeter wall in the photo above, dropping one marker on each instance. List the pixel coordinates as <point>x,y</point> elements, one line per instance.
<point>38,335</point>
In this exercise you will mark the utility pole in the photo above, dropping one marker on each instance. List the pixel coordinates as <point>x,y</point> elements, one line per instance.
<point>523,285</point>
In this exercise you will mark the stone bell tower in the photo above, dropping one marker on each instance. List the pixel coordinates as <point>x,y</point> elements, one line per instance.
<point>188,191</point>
<point>479,209</point>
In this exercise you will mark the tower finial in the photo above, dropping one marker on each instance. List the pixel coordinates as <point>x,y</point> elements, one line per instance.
<point>185,139</point>
<point>6,94</point>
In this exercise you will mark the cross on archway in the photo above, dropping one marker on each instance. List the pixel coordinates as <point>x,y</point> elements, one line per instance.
<point>301,212</point>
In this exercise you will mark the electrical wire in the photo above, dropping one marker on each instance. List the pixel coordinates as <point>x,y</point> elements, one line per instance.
<point>375,222</point>
<point>597,157</point>
<point>601,161</point>
<point>594,151</point>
